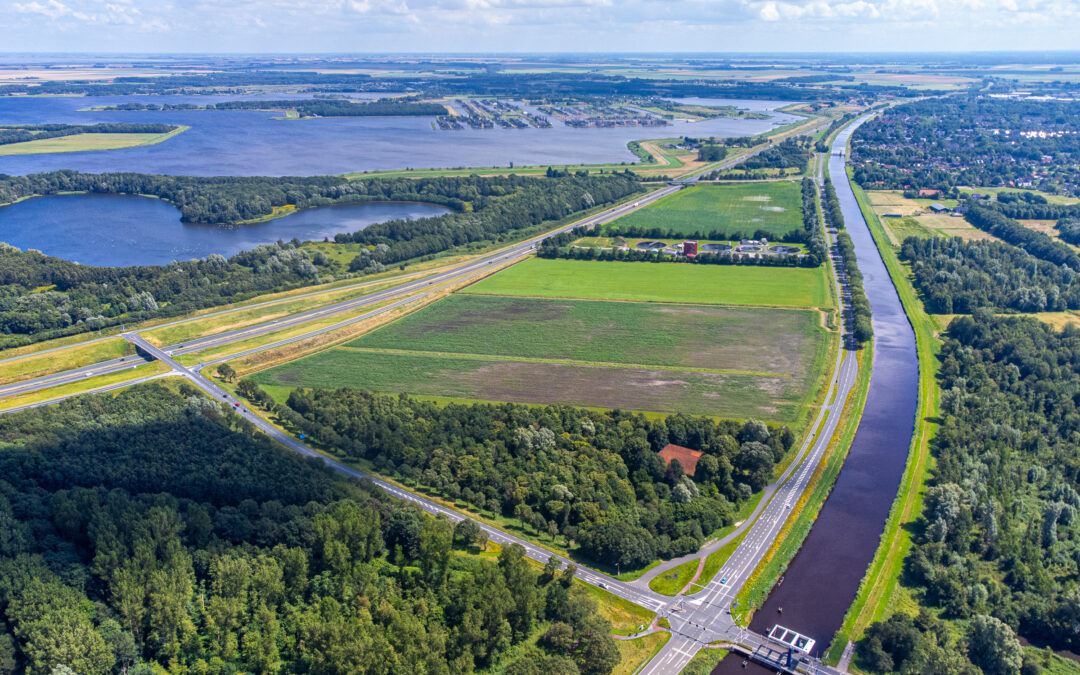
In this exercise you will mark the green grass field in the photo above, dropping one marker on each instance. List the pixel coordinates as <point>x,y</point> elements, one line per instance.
<point>86,143</point>
<point>742,339</point>
<point>744,208</point>
<point>661,282</point>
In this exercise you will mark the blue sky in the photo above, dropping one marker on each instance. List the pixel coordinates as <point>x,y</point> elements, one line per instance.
<point>537,25</point>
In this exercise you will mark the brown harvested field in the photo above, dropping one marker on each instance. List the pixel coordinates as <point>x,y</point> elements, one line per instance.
<point>782,341</point>
<point>462,378</point>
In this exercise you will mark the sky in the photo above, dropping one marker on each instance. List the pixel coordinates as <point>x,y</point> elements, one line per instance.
<point>500,26</point>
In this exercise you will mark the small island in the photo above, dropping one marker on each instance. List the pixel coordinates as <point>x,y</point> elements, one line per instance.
<point>36,139</point>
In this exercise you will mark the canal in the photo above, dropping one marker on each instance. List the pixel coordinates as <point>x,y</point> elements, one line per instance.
<point>822,580</point>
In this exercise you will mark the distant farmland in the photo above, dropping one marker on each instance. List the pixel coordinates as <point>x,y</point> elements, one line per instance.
<point>739,210</point>
<point>650,356</point>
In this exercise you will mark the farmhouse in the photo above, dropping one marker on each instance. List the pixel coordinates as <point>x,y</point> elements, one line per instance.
<point>687,458</point>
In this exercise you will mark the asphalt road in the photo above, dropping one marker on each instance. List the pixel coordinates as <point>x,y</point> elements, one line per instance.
<point>417,289</point>
<point>646,599</point>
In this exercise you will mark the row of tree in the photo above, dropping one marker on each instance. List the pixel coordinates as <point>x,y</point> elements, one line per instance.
<point>156,531</point>
<point>69,298</point>
<point>23,133</point>
<point>591,479</point>
<point>657,256</point>
<point>1038,244</point>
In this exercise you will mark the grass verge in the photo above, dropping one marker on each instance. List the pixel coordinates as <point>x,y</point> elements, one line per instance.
<point>705,661</point>
<point>713,563</point>
<point>84,386</point>
<point>673,581</point>
<point>633,654</point>
<point>38,365</point>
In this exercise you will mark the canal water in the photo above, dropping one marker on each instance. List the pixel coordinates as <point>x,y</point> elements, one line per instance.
<point>120,230</point>
<point>821,582</point>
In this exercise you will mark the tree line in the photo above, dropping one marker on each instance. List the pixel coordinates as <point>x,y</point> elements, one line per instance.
<point>156,531</point>
<point>592,481</point>
<point>997,544</point>
<point>701,258</point>
<point>35,132</point>
<point>69,298</point>
<point>1038,244</point>
<point>315,107</point>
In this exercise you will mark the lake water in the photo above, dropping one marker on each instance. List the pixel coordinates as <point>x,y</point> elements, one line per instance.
<point>252,143</point>
<point>118,230</point>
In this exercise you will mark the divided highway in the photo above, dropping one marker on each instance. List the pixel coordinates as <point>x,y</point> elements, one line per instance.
<point>397,296</point>
<point>696,621</point>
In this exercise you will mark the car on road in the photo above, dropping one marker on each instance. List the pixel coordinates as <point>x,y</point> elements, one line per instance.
<point>723,580</point>
<point>602,585</point>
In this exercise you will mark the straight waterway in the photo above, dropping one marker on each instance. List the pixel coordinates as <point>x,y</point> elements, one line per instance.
<point>822,580</point>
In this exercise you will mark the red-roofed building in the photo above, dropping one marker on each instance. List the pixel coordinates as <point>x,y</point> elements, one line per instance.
<point>927,192</point>
<point>689,248</point>
<point>687,458</point>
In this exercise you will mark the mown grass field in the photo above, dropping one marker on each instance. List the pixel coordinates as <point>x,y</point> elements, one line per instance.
<point>661,282</point>
<point>85,143</point>
<point>779,341</point>
<point>744,208</point>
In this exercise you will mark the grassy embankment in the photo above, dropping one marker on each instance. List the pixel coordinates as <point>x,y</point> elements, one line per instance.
<point>85,385</point>
<point>880,591</point>
<point>64,359</point>
<point>705,661</point>
<point>87,143</point>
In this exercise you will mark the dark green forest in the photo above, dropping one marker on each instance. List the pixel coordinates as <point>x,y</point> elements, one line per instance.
<point>593,478</point>
<point>999,534</point>
<point>43,297</point>
<point>154,531</point>
<point>954,276</point>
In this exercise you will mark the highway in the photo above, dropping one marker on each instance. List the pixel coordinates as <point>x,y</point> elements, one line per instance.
<point>695,621</point>
<point>396,297</point>
<point>647,599</point>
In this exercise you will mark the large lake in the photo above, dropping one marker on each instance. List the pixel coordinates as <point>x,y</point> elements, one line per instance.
<point>117,230</point>
<point>252,143</point>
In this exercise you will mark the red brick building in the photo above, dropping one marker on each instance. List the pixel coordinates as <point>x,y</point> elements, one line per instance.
<point>689,248</point>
